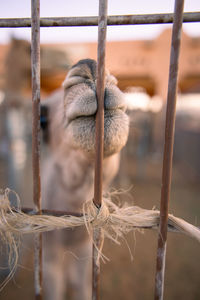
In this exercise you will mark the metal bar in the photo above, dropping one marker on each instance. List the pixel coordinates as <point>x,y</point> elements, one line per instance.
<point>99,140</point>
<point>93,21</point>
<point>35,60</point>
<point>168,148</point>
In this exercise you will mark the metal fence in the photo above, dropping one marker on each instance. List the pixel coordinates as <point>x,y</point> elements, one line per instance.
<point>102,21</point>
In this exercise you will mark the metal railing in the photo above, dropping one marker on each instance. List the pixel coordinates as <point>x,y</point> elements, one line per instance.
<point>102,21</point>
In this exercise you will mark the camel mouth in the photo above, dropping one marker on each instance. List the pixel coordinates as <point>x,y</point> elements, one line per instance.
<point>107,113</point>
<point>116,124</point>
<point>84,104</point>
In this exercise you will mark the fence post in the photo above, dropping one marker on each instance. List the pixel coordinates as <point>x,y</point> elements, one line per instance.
<point>168,148</point>
<point>35,61</point>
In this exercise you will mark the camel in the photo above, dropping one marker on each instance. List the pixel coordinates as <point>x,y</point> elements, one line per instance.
<point>68,173</point>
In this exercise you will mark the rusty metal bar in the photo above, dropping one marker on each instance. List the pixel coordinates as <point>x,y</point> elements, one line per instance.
<point>93,21</point>
<point>100,99</point>
<point>35,60</point>
<point>168,148</point>
<point>99,139</point>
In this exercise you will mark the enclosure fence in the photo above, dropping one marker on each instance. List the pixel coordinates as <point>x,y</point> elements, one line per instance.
<point>102,21</point>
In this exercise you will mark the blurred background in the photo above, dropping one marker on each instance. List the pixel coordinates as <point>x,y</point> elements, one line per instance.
<point>139,58</point>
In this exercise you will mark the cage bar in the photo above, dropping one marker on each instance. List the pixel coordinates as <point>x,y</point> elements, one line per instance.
<point>93,21</point>
<point>35,60</point>
<point>99,139</point>
<point>168,148</point>
<point>102,21</point>
<point>99,142</point>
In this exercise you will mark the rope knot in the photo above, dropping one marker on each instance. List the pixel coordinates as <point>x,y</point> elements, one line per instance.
<point>97,217</point>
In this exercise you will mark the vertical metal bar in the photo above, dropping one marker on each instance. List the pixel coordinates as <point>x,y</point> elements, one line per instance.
<point>100,98</point>
<point>102,28</point>
<point>168,148</point>
<point>35,60</point>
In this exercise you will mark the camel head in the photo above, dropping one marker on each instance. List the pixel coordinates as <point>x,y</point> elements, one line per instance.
<point>79,107</point>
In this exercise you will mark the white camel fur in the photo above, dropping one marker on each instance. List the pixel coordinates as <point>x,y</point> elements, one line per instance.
<point>68,174</point>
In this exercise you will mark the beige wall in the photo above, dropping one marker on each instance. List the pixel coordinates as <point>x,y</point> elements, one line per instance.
<point>144,63</point>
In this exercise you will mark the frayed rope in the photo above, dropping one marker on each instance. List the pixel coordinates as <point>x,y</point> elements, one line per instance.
<point>114,222</point>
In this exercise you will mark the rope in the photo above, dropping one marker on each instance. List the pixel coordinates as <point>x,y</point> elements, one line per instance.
<point>113,220</point>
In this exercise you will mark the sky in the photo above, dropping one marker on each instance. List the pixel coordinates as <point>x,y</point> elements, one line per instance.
<point>64,8</point>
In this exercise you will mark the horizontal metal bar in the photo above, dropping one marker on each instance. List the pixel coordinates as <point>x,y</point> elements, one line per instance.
<point>93,21</point>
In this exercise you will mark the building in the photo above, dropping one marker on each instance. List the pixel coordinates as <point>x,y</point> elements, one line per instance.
<point>143,63</point>
<point>146,63</point>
